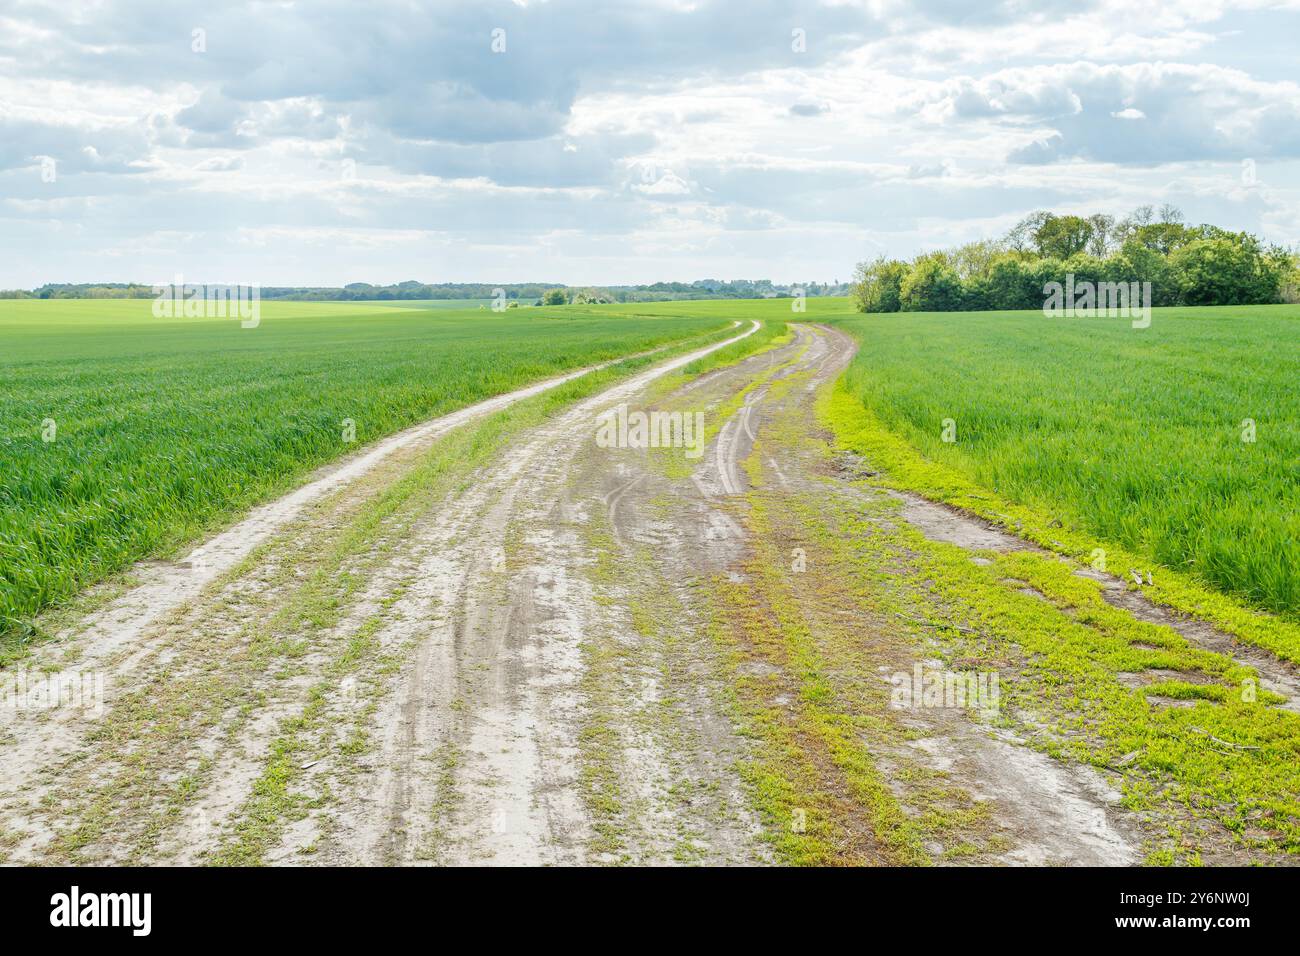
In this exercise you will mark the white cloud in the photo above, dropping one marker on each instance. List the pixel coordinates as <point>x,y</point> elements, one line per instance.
<point>305,134</point>
<point>220,164</point>
<point>1192,111</point>
<point>667,184</point>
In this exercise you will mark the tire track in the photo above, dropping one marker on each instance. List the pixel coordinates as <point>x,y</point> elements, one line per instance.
<point>142,636</point>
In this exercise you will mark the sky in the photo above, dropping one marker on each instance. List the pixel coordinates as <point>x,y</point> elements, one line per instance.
<point>600,143</point>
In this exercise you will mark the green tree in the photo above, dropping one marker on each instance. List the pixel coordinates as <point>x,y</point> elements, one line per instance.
<point>1013,285</point>
<point>1085,268</point>
<point>1103,229</point>
<point>876,285</point>
<point>554,297</point>
<point>1163,237</point>
<point>1136,262</point>
<point>1060,237</point>
<point>1288,269</point>
<point>1021,236</point>
<point>1229,270</point>
<point>975,259</point>
<point>931,285</point>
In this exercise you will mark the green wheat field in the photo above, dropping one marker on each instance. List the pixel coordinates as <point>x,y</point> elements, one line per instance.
<point>124,436</point>
<point>1180,442</point>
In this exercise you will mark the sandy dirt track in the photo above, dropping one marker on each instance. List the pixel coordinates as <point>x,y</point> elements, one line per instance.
<point>547,660</point>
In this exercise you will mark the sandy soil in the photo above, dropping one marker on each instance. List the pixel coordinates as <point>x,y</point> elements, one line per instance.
<point>519,668</point>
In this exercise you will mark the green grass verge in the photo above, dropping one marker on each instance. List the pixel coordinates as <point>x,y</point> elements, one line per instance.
<point>903,467</point>
<point>1179,443</point>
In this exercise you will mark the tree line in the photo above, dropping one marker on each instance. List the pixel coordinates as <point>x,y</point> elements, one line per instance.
<point>526,293</point>
<point>1185,264</point>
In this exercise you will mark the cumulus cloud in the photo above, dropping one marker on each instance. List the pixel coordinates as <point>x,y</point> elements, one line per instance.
<point>667,183</point>
<point>220,164</point>
<point>717,128</point>
<point>808,109</point>
<point>109,149</point>
<point>1088,111</point>
<point>581,160</point>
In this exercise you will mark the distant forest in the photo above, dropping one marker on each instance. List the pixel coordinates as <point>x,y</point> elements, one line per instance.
<point>525,293</point>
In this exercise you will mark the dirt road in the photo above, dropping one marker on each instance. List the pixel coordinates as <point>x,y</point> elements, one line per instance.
<point>522,646</point>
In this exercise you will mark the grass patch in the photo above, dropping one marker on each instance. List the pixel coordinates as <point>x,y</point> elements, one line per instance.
<point>1178,444</point>
<point>904,467</point>
<point>124,435</point>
